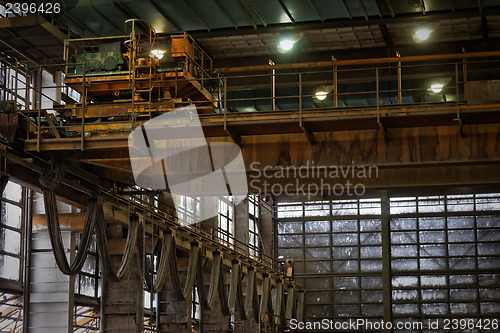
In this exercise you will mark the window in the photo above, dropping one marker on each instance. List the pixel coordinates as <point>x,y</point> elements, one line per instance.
<point>195,309</point>
<point>444,256</point>
<point>11,231</point>
<point>188,209</point>
<point>225,230</point>
<point>253,225</point>
<point>87,282</point>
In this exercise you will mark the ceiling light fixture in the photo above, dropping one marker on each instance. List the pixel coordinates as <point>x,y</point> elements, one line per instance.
<point>286,44</point>
<point>437,87</point>
<point>422,34</point>
<point>157,53</point>
<point>321,95</point>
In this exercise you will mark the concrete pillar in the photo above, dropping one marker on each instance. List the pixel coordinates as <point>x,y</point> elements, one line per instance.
<point>175,315</point>
<point>266,229</point>
<point>241,232</point>
<point>213,321</point>
<point>123,301</point>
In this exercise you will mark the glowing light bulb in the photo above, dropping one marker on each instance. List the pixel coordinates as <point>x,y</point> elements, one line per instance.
<point>437,87</point>
<point>422,34</point>
<point>157,53</point>
<point>286,44</point>
<point>321,95</point>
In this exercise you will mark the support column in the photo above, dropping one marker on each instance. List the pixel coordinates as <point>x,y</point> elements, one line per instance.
<point>386,258</point>
<point>266,229</point>
<point>123,307</point>
<point>241,232</point>
<point>175,315</point>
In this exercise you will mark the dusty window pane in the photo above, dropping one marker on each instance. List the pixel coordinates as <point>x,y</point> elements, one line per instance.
<point>403,224</point>
<point>346,296</point>
<point>405,309</point>
<point>404,264</point>
<point>461,249</point>
<point>370,225</point>
<point>460,222</point>
<point>398,251</point>
<point>371,265</point>
<point>290,241</point>
<point>371,252</point>
<point>346,266</point>
<point>403,237</point>
<point>463,308</point>
<point>433,281</point>
<point>318,267</point>
<point>371,238</point>
<point>460,235</point>
<point>11,241</point>
<point>344,239</point>
<point>404,295</point>
<point>289,227</point>
<point>317,240</point>
<point>404,281</point>
<point>9,267</point>
<point>345,282</point>
<point>316,253</point>
<point>12,192</point>
<point>431,223</point>
<point>462,280</point>
<point>434,250</point>
<point>463,263</point>
<point>432,236</point>
<point>434,295</point>
<point>317,226</point>
<point>11,215</point>
<point>433,264</point>
<point>345,252</point>
<point>490,221</point>
<point>345,225</point>
<point>371,282</point>
<point>435,308</point>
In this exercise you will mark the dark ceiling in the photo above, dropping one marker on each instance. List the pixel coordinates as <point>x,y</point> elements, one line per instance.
<point>241,32</point>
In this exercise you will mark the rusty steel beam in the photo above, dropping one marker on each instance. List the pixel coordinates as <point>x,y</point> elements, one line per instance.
<point>358,62</point>
<point>413,157</point>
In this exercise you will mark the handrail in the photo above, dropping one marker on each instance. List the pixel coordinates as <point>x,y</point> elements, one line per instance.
<point>359,62</point>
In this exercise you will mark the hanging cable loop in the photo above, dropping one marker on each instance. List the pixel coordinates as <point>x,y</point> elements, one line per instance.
<point>102,246</point>
<point>183,293</point>
<point>208,301</point>
<point>50,182</point>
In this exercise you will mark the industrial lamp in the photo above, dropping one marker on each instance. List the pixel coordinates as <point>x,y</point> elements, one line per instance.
<point>424,31</point>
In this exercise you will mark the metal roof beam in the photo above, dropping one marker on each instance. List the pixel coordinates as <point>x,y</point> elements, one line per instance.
<point>328,24</point>
<point>224,11</point>
<point>316,8</point>
<point>165,16</point>
<point>287,12</point>
<point>196,15</point>
<point>246,13</point>
<point>363,9</point>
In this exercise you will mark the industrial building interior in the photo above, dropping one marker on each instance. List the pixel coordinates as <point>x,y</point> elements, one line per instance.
<point>355,144</point>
